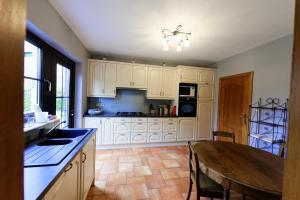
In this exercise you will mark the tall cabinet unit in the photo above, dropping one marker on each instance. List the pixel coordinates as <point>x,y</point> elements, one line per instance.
<point>101,79</point>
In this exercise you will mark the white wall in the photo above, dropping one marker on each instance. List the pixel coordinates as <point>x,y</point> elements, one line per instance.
<point>43,20</point>
<point>271,64</point>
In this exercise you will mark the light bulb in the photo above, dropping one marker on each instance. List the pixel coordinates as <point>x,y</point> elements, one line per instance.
<point>164,40</point>
<point>186,43</point>
<point>179,48</point>
<point>166,47</point>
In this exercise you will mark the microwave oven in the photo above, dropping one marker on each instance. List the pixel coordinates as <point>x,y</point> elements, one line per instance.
<point>188,90</point>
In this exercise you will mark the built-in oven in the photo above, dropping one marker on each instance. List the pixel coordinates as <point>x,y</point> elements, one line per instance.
<point>187,104</point>
<point>187,90</point>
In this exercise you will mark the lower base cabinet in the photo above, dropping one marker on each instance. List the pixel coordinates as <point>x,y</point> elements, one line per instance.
<point>122,138</point>
<point>77,178</point>
<point>138,138</point>
<point>154,137</point>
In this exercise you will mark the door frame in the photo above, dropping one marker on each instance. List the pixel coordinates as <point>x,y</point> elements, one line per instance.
<point>220,105</point>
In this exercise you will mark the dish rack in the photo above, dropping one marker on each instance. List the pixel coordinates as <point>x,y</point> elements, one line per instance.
<point>268,124</point>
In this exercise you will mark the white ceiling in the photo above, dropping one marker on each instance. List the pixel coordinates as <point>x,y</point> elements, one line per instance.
<point>220,28</point>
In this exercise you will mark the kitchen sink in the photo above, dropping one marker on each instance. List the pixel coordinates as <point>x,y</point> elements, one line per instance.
<point>68,133</point>
<point>54,142</point>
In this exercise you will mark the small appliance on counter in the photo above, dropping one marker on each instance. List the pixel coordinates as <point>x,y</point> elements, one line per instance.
<point>98,110</point>
<point>187,104</point>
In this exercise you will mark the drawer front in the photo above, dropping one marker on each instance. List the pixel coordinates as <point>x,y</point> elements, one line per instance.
<point>152,120</point>
<point>155,127</point>
<point>122,138</point>
<point>122,119</point>
<point>137,138</point>
<point>169,137</point>
<point>154,137</point>
<point>139,127</point>
<point>139,119</point>
<point>167,120</point>
<point>169,126</point>
<point>120,127</point>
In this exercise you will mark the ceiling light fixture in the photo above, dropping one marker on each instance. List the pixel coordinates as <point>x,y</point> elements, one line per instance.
<point>178,36</point>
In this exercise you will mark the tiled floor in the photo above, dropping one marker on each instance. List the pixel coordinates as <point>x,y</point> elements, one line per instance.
<point>142,173</point>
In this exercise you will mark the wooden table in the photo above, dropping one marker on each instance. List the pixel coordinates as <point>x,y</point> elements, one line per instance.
<point>242,168</point>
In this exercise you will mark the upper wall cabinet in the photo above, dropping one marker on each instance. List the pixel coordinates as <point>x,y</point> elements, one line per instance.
<point>131,75</point>
<point>206,77</point>
<point>161,83</point>
<point>188,75</point>
<point>101,79</point>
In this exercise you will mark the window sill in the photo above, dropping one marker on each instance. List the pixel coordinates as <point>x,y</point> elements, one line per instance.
<point>39,125</point>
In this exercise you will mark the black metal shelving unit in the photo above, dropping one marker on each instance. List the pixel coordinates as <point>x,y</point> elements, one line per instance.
<point>268,124</point>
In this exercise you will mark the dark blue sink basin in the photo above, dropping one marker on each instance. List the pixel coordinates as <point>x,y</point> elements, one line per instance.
<point>68,133</point>
<point>54,142</point>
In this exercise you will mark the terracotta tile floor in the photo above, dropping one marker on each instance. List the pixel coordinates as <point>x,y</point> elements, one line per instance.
<point>158,173</point>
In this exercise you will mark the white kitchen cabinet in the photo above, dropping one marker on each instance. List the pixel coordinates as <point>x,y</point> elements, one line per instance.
<point>67,186</point>
<point>161,83</point>
<point>186,128</point>
<point>155,127</point>
<point>131,75</point>
<point>206,77</point>
<point>154,137</point>
<point>139,127</point>
<point>170,125</point>
<point>87,166</point>
<point>94,122</point>
<point>188,75</point>
<point>124,75</point>
<point>138,138</point>
<point>122,127</point>
<point>122,138</point>
<point>205,92</point>
<point>204,118</point>
<point>139,76</point>
<point>96,80</point>
<point>107,130</point>
<point>154,82</point>
<point>101,79</point>
<point>169,136</point>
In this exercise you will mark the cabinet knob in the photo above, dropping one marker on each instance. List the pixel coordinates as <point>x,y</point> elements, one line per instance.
<point>69,167</point>
<point>84,156</point>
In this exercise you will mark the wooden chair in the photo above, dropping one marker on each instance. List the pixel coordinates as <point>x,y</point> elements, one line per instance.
<point>205,187</point>
<point>224,134</point>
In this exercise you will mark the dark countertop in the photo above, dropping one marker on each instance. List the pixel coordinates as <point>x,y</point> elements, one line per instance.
<point>146,115</point>
<point>38,180</point>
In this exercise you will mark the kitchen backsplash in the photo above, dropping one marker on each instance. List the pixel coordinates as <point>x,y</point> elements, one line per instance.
<point>126,100</point>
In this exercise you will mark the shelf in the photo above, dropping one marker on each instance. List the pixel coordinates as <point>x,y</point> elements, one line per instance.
<point>267,123</point>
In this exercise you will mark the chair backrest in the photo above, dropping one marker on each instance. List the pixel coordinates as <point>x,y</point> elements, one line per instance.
<point>194,163</point>
<point>281,151</point>
<point>224,134</point>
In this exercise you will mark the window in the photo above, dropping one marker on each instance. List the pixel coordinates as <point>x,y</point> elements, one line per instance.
<point>63,75</point>
<point>32,76</point>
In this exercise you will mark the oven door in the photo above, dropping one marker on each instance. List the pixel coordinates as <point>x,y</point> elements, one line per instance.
<point>187,109</point>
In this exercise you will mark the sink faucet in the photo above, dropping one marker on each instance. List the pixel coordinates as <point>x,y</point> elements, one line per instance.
<point>54,127</point>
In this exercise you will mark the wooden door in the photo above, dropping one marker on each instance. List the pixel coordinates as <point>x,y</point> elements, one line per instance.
<point>154,82</point>
<point>235,96</point>
<point>186,129</point>
<point>205,92</point>
<point>139,76</point>
<point>169,83</point>
<point>204,119</point>
<point>110,79</point>
<point>188,75</point>
<point>124,75</point>
<point>96,78</point>
<point>206,77</point>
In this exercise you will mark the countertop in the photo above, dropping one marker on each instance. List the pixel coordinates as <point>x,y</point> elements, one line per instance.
<point>146,115</point>
<point>38,180</point>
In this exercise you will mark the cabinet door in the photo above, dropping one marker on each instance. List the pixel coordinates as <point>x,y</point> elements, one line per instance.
<point>107,131</point>
<point>155,127</point>
<point>67,186</point>
<point>154,83</point>
<point>96,78</point>
<point>137,138</point>
<point>169,85</point>
<point>110,79</point>
<point>205,92</point>
<point>169,126</point>
<point>206,77</point>
<point>90,122</point>
<point>88,166</point>
<point>169,137</point>
<point>122,138</point>
<point>139,127</point>
<point>204,113</point>
<point>139,76</point>
<point>186,129</point>
<point>120,127</point>
<point>124,75</point>
<point>154,137</point>
<point>188,75</point>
